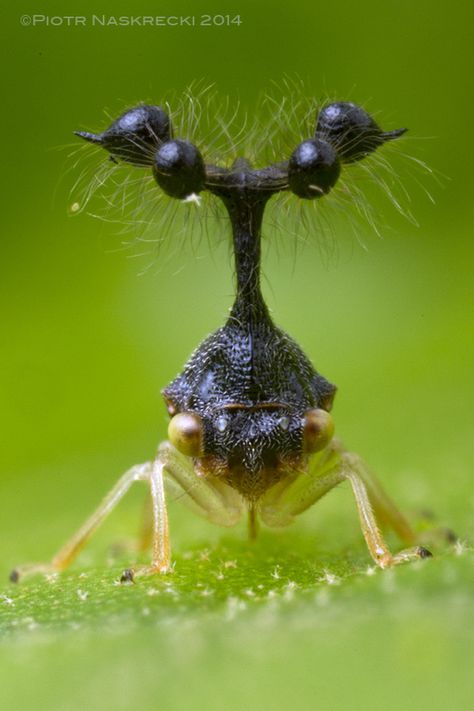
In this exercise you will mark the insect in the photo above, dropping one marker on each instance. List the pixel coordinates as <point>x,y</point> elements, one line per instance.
<point>250,428</point>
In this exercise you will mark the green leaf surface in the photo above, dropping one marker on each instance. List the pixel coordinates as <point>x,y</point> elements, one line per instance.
<point>268,625</point>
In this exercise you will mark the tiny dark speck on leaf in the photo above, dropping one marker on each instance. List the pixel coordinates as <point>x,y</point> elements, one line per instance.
<point>424,553</point>
<point>127,576</point>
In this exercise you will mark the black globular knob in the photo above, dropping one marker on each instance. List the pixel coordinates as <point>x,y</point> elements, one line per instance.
<point>179,169</point>
<point>313,169</point>
<point>135,135</point>
<point>352,131</point>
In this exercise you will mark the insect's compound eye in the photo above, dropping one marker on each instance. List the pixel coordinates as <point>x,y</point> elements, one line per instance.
<point>185,432</point>
<point>352,131</point>
<point>135,135</point>
<point>318,430</point>
<point>313,169</point>
<point>179,169</point>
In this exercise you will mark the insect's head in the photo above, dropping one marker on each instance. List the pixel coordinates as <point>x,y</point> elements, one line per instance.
<point>144,137</point>
<point>253,445</point>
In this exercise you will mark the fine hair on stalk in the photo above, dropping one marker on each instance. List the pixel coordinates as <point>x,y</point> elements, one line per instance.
<point>147,220</point>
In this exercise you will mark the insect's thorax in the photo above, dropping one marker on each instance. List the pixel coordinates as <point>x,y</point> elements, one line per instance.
<point>249,381</point>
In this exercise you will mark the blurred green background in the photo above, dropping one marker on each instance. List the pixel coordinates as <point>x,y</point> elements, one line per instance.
<point>89,338</point>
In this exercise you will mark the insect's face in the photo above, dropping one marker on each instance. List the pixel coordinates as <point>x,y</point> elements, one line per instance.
<point>254,438</point>
<point>251,447</point>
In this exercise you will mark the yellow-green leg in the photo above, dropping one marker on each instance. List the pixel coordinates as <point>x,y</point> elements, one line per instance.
<point>171,471</point>
<point>65,556</point>
<point>328,469</point>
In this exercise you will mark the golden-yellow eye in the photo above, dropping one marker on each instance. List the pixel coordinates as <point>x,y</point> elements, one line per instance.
<point>185,432</point>
<point>318,430</point>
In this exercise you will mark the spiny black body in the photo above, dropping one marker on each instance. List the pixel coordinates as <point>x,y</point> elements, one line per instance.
<point>249,381</point>
<point>249,385</point>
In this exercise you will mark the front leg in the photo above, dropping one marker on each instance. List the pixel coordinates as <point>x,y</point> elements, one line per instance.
<point>375,541</point>
<point>328,469</point>
<point>161,549</point>
<point>209,498</point>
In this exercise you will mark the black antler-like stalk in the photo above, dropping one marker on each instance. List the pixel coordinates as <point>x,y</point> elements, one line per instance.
<point>344,133</point>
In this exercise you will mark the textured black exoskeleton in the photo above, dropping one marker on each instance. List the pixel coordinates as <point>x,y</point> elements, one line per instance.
<point>250,427</point>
